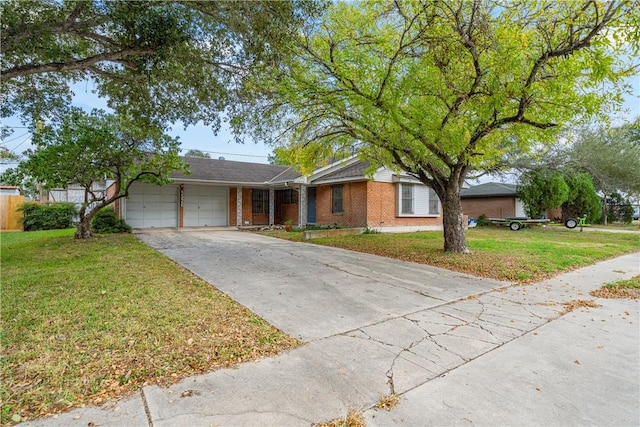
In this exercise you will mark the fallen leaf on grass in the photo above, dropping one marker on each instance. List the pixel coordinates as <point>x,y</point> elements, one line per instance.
<point>613,293</point>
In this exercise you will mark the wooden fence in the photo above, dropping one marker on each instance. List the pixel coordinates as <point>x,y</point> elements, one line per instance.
<point>10,216</point>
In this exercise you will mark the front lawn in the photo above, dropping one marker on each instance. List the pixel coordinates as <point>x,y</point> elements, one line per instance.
<point>88,321</point>
<point>528,255</point>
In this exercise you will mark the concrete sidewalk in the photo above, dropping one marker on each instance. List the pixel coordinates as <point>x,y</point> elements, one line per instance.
<point>487,355</point>
<point>581,369</point>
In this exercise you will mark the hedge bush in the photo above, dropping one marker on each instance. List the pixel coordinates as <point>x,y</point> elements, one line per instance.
<point>55,216</point>
<point>105,222</point>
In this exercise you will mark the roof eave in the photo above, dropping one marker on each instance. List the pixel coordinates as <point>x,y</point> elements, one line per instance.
<point>339,180</point>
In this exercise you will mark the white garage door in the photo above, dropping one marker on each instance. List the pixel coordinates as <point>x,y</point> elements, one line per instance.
<point>205,206</point>
<point>151,205</point>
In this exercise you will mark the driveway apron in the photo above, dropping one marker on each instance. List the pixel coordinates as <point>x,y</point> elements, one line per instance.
<point>311,291</point>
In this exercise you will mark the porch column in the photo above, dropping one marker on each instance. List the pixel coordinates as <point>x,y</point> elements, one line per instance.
<point>238,206</point>
<point>181,209</point>
<point>302,206</point>
<point>272,204</point>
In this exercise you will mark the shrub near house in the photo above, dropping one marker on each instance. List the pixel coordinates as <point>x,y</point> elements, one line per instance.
<point>55,216</point>
<point>105,222</point>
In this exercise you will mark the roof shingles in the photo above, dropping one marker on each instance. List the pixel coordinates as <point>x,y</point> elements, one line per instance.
<point>227,171</point>
<point>355,170</point>
<point>490,189</point>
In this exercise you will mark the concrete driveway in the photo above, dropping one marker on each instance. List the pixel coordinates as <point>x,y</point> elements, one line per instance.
<point>310,291</point>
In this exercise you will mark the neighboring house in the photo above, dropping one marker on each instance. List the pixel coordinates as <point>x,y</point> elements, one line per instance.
<point>74,193</point>
<point>228,193</point>
<point>493,200</point>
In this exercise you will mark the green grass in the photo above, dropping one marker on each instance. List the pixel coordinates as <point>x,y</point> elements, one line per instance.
<point>528,255</point>
<point>633,283</point>
<point>631,226</point>
<point>629,288</point>
<point>88,321</point>
<point>295,235</point>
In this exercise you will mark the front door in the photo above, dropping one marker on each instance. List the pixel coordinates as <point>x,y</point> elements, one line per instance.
<point>311,205</point>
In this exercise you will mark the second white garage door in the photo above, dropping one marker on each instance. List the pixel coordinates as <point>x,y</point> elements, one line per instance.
<point>205,206</point>
<point>152,206</point>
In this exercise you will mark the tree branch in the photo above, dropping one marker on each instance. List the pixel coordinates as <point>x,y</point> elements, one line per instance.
<point>80,64</point>
<point>571,47</point>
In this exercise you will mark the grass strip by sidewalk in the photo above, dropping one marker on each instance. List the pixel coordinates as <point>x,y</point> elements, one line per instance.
<point>524,256</point>
<point>620,289</point>
<point>88,321</point>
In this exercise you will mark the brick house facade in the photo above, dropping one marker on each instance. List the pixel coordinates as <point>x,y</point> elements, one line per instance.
<point>226,193</point>
<point>372,201</point>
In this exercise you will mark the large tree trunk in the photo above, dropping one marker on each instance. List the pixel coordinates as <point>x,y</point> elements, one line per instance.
<point>84,228</point>
<point>452,219</point>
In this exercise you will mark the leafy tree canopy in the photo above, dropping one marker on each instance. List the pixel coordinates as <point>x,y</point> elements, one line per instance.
<point>541,191</point>
<point>610,155</point>
<point>582,198</point>
<point>618,208</point>
<point>6,155</point>
<point>167,60</point>
<point>197,153</point>
<point>281,157</point>
<point>440,88</point>
<point>84,149</point>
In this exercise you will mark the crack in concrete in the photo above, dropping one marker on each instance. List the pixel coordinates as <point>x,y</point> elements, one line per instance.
<point>378,280</point>
<point>449,351</point>
<point>147,411</point>
<point>502,317</point>
<point>523,331</point>
<point>389,373</point>
<point>479,319</point>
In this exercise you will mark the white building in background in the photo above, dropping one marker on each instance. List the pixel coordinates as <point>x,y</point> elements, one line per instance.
<point>74,193</point>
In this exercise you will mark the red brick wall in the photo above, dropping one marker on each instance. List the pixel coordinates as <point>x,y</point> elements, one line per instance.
<point>233,198</point>
<point>354,195</point>
<point>288,212</point>
<point>553,213</point>
<point>381,208</point>
<point>247,206</point>
<point>491,207</point>
<point>247,214</point>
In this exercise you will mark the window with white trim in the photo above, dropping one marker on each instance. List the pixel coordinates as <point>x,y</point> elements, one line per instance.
<point>434,202</point>
<point>417,200</point>
<point>407,199</point>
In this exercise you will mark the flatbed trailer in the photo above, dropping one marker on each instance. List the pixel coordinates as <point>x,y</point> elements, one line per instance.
<point>517,223</point>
